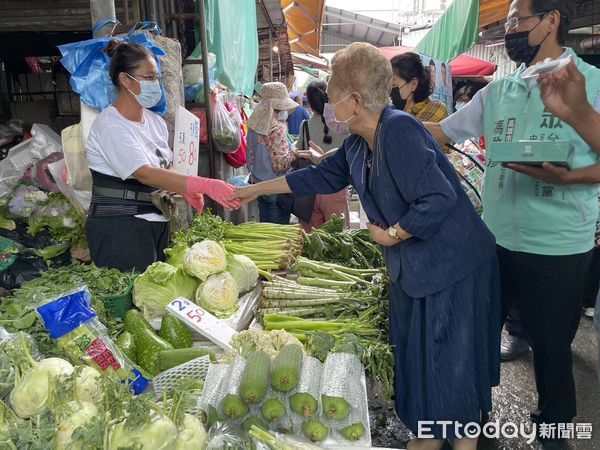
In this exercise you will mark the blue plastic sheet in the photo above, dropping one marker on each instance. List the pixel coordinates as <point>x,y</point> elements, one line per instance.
<point>89,67</point>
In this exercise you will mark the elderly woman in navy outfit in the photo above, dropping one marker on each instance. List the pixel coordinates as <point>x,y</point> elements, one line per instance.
<point>444,306</point>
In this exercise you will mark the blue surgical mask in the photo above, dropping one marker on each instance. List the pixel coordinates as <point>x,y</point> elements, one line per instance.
<point>281,116</point>
<point>150,94</point>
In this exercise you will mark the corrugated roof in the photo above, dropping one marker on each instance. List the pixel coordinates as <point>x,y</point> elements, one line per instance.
<point>304,19</point>
<point>347,26</point>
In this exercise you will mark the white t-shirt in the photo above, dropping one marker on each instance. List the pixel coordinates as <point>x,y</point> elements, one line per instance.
<point>118,147</point>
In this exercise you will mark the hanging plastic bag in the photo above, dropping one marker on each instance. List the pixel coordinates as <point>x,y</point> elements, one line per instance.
<point>89,67</point>
<point>78,172</point>
<point>225,133</point>
<point>237,159</point>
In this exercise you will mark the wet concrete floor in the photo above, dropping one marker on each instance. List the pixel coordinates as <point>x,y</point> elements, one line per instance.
<point>516,397</point>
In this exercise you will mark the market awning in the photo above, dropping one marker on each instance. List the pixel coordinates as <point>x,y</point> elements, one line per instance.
<point>454,33</point>
<point>462,65</point>
<point>303,59</point>
<point>304,19</point>
<point>468,66</point>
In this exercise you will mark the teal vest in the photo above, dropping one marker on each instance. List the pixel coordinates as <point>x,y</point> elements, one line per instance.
<point>525,214</point>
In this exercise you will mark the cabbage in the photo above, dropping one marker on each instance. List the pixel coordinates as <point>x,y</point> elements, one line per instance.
<point>30,396</point>
<point>159,285</point>
<point>243,270</point>
<point>158,433</point>
<point>191,434</point>
<point>205,259</point>
<point>87,385</point>
<point>81,414</point>
<point>218,294</point>
<point>175,254</point>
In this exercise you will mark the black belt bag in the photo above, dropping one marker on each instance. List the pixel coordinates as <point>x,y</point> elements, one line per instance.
<point>112,197</point>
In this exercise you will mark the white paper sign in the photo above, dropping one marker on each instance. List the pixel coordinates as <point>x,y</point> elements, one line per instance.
<point>203,322</point>
<point>187,142</point>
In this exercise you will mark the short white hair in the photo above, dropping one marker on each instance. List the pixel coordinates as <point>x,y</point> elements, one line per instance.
<point>362,68</point>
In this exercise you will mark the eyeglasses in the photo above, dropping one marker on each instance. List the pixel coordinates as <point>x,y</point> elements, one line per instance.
<point>513,22</point>
<point>151,77</point>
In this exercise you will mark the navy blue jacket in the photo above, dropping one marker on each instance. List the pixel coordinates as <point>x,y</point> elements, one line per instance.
<point>411,183</point>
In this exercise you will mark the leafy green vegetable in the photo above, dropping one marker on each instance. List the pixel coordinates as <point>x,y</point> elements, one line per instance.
<point>244,272</point>
<point>176,253</point>
<point>160,285</point>
<point>350,247</point>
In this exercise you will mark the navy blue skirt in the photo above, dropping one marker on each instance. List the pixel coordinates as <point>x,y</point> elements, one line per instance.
<point>447,350</point>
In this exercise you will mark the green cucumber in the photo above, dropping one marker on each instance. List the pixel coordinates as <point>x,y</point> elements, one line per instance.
<point>171,358</point>
<point>175,332</point>
<point>126,344</point>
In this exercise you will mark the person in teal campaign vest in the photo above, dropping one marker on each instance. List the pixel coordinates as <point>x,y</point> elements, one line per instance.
<point>543,217</point>
<point>564,94</point>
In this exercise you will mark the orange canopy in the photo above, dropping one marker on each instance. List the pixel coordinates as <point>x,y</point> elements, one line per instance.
<point>304,20</point>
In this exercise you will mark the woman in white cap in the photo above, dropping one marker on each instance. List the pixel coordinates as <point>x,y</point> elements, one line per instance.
<point>269,152</point>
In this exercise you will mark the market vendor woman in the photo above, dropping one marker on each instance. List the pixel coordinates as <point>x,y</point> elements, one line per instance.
<point>445,304</point>
<point>129,157</point>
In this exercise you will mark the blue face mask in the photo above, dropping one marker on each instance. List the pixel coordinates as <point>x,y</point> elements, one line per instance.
<point>150,94</point>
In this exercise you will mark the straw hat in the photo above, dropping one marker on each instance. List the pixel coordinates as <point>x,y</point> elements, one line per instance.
<point>274,96</point>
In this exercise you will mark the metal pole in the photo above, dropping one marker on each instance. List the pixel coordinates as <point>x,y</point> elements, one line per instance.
<point>151,11</point>
<point>270,55</point>
<point>102,9</point>
<point>204,46</point>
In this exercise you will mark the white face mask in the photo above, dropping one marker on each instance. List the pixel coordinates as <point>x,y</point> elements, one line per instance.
<point>281,116</point>
<point>460,105</point>
<point>150,94</point>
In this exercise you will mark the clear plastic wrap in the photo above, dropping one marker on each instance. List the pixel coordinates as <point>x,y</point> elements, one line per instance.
<point>78,333</point>
<point>344,378</point>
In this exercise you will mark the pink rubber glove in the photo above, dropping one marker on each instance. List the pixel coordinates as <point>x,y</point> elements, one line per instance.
<point>218,190</point>
<point>194,200</point>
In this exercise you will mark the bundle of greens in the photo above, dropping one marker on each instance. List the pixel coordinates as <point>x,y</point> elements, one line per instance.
<point>349,247</point>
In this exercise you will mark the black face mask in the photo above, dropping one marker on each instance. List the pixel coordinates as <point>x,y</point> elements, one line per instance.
<point>518,48</point>
<point>397,100</point>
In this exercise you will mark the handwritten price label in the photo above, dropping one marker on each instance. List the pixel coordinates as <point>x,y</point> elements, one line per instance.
<point>187,142</point>
<point>203,322</point>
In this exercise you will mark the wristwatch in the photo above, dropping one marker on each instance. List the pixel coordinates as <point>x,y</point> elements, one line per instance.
<point>393,232</point>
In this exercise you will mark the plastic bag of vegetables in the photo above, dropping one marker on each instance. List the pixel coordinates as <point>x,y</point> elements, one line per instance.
<point>244,272</point>
<point>205,259</point>
<point>78,333</point>
<point>159,285</point>
<point>218,295</point>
